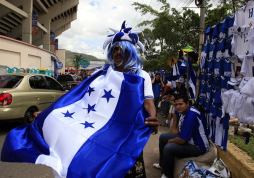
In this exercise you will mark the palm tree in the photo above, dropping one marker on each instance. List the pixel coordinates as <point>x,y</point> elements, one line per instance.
<point>77,58</point>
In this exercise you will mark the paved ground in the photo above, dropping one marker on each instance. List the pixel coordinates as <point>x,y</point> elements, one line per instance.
<point>24,170</point>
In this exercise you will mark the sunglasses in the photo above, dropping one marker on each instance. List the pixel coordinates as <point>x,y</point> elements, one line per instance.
<point>115,49</point>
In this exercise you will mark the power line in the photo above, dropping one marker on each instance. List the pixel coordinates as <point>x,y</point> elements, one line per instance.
<point>178,3</point>
<point>136,14</point>
<point>143,16</point>
<point>186,5</point>
<point>154,9</point>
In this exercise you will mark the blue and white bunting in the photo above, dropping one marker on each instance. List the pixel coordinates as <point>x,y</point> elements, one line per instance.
<point>95,130</point>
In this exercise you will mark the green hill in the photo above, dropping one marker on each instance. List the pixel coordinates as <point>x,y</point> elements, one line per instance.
<point>70,55</point>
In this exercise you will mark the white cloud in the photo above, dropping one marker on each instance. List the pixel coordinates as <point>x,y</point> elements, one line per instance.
<point>88,33</point>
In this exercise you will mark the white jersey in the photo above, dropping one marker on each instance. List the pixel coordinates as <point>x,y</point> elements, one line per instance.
<point>248,88</point>
<point>247,66</point>
<point>148,90</point>
<point>244,16</point>
<point>236,65</point>
<point>244,81</point>
<point>240,43</point>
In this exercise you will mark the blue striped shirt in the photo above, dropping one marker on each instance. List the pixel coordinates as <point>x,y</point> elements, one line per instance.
<point>192,128</point>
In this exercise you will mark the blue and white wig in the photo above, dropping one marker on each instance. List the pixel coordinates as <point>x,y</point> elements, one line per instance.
<point>134,63</point>
<point>127,40</point>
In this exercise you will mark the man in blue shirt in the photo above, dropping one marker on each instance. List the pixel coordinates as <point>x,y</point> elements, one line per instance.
<point>157,84</point>
<point>191,140</point>
<point>180,88</point>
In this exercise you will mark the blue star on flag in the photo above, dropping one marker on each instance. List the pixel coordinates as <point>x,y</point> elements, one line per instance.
<point>90,108</point>
<point>67,114</point>
<point>90,90</point>
<point>107,95</point>
<point>87,124</point>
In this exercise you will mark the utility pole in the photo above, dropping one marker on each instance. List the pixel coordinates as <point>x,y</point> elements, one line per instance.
<point>201,36</point>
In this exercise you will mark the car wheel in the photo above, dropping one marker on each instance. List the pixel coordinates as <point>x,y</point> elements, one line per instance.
<point>29,118</point>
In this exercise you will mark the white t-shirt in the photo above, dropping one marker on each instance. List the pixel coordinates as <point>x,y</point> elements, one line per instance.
<point>148,90</point>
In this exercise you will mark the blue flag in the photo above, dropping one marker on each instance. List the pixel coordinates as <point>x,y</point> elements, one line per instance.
<point>95,130</point>
<point>192,81</point>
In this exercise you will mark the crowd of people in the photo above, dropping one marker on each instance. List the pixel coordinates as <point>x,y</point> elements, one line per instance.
<point>187,135</point>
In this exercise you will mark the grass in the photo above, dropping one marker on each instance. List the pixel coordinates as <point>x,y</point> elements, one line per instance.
<point>239,141</point>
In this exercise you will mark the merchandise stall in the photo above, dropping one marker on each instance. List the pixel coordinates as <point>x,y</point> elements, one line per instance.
<point>227,70</point>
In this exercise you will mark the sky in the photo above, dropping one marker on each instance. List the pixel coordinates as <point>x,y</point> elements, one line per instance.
<point>91,28</point>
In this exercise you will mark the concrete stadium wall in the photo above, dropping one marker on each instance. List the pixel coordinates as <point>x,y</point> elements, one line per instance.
<point>19,54</point>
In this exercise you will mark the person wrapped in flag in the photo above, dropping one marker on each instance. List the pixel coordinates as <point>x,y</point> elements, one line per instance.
<point>99,128</point>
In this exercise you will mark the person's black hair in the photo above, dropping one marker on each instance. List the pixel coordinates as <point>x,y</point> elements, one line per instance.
<point>158,74</point>
<point>183,97</point>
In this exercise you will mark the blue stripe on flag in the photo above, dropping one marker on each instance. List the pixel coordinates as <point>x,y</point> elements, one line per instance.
<point>30,137</point>
<point>122,138</point>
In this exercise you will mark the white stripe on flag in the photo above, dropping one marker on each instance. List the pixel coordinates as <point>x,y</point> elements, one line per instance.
<point>65,135</point>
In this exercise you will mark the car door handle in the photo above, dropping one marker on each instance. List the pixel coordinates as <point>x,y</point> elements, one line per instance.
<point>53,97</point>
<point>36,97</point>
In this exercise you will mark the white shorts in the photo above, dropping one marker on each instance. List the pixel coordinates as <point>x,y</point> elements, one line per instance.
<point>172,109</point>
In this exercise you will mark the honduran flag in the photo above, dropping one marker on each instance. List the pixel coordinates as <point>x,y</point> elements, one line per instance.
<point>95,130</point>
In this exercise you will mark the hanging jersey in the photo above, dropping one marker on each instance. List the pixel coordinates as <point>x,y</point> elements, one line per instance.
<point>213,110</point>
<point>224,83</point>
<point>247,66</point>
<point>218,47</point>
<point>207,105</point>
<point>211,54</point>
<point>228,25</point>
<point>215,66</point>
<point>209,34</point>
<point>225,68</point>
<point>217,100</point>
<point>236,63</point>
<point>203,58</point>
<point>226,47</point>
<point>219,128</point>
<point>208,92</point>
<point>214,94</point>
<point>202,76</point>
<point>216,81</point>
<point>204,86</point>
<point>219,33</point>
<point>244,81</point>
<point>244,16</point>
<point>209,77</point>
<point>240,43</point>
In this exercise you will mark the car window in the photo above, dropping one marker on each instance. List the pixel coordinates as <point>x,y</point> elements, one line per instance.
<point>10,81</point>
<point>31,82</point>
<point>39,82</point>
<point>53,85</point>
<point>64,78</point>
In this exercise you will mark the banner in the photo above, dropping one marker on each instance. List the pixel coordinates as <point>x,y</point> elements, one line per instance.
<point>56,44</point>
<point>34,23</point>
<point>52,37</point>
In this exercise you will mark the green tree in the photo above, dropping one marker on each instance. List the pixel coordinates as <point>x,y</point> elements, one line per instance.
<point>77,58</point>
<point>171,32</point>
<point>148,40</point>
